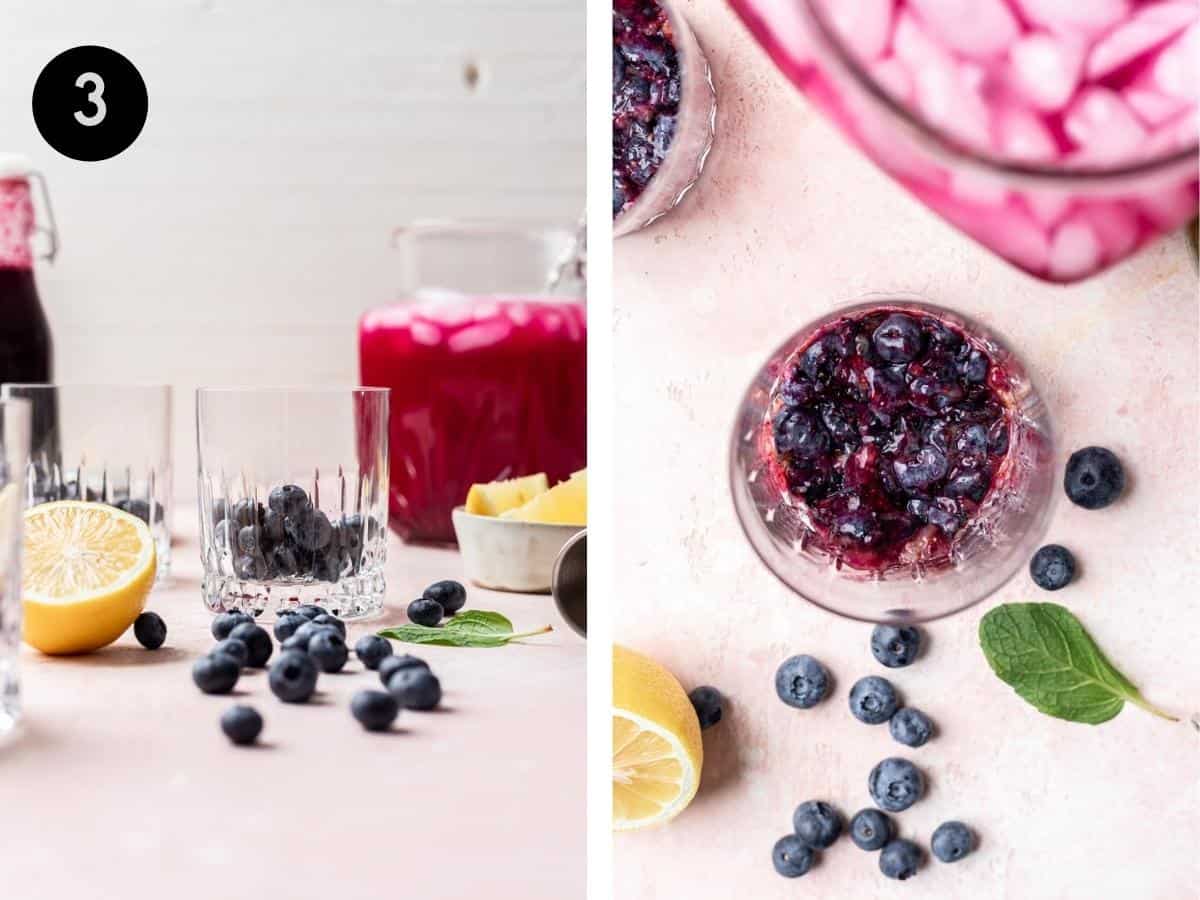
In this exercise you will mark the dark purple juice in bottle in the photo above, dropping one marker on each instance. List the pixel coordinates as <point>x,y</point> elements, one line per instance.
<point>26,354</point>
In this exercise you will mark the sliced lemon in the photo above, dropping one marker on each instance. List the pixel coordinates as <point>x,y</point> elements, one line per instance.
<point>563,504</point>
<point>496,497</point>
<point>88,570</point>
<point>657,752</point>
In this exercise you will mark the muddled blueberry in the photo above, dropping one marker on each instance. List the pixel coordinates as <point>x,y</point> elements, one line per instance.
<point>860,526</point>
<point>393,664</point>
<point>895,784</point>
<point>426,612</point>
<point>898,339</point>
<point>817,824</point>
<point>150,630</point>
<point>450,594</point>
<point>415,688</point>
<point>801,681</point>
<point>873,700</point>
<point>241,724</point>
<point>900,859</point>
<point>870,829</point>
<point>293,677</point>
<point>1094,477</point>
<point>328,649</point>
<point>234,647</point>
<point>371,650</point>
<point>975,368</point>
<point>921,472</point>
<point>375,710</point>
<point>216,673</point>
<point>707,702</point>
<point>910,727</point>
<point>952,841</point>
<point>800,433</point>
<point>1052,567</point>
<point>224,623</point>
<point>257,641</point>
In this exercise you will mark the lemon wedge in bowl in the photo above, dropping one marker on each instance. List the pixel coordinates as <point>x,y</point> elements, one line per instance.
<point>657,752</point>
<point>89,568</point>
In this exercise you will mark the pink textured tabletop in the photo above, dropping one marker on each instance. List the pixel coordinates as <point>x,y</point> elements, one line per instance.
<point>786,219</point>
<point>123,786</point>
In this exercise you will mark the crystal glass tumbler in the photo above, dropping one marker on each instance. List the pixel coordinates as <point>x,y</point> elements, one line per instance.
<point>105,443</point>
<point>293,498</point>
<point>14,454</point>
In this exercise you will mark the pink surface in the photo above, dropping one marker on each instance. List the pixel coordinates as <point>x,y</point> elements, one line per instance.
<point>786,219</point>
<point>122,784</point>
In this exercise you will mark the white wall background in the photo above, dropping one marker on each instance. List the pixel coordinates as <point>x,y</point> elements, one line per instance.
<point>240,238</point>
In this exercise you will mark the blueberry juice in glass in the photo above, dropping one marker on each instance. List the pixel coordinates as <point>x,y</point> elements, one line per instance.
<point>892,461</point>
<point>1062,135</point>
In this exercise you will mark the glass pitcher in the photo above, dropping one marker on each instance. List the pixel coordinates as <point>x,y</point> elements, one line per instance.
<point>485,354</point>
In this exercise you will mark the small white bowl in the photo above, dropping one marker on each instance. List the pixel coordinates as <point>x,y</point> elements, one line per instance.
<point>507,555</point>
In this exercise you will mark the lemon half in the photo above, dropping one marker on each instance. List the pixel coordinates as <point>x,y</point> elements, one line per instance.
<point>657,751</point>
<point>88,571</point>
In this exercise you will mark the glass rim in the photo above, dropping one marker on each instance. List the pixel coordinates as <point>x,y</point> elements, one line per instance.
<point>79,385</point>
<point>943,143</point>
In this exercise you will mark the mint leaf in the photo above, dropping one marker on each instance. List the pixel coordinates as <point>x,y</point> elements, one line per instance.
<point>473,628</point>
<point>1044,653</point>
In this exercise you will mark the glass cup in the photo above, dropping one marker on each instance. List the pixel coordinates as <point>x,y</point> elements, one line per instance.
<point>694,127</point>
<point>992,544</point>
<point>14,456</point>
<point>105,443</point>
<point>1063,140</point>
<point>293,488</point>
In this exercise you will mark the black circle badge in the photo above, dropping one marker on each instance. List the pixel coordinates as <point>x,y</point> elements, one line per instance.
<point>90,103</point>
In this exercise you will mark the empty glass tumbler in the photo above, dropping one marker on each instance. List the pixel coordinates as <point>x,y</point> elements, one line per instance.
<point>14,452</point>
<point>293,498</point>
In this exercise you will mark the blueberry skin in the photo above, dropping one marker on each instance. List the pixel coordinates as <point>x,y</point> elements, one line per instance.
<point>216,673</point>
<point>257,641</point>
<point>296,642</point>
<point>375,710</point>
<point>393,664</point>
<point>910,727</point>
<point>246,512</point>
<point>450,594</point>
<point>873,700</point>
<point>241,724</point>
<point>150,630</point>
<point>801,681</point>
<point>1094,478</point>
<point>328,650</point>
<point>249,567</point>
<point>289,500</point>
<point>870,829</point>
<point>895,784</point>
<point>331,621</point>
<point>372,649</point>
<point>817,824</point>
<point>293,677</point>
<point>310,612</point>
<point>791,856</point>
<point>225,622</point>
<point>236,648</point>
<point>895,647</point>
<point>312,532</point>
<point>707,703</point>
<point>1052,567</point>
<point>425,612</point>
<point>286,624</point>
<point>249,540</point>
<point>415,688</point>
<point>900,859</point>
<point>898,339</point>
<point>952,841</point>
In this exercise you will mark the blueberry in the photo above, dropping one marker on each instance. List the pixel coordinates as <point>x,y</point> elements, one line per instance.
<point>285,561</point>
<point>150,630</point>
<point>250,568</point>
<point>972,484</point>
<point>293,677</point>
<point>295,642</point>
<point>372,649</point>
<point>707,703</point>
<point>216,674</point>
<point>1052,567</point>
<point>870,829</point>
<point>249,540</point>
<point>821,358</point>
<point>973,441</point>
<point>393,664</point>
<point>975,368</point>
<point>920,472</point>
<point>225,535</point>
<point>289,500</point>
<point>415,688</point>
<point>375,710</point>
<point>309,611</point>
<point>450,594</point>
<point>910,727</point>
<point>272,527</point>
<point>225,622</point>
<point>1094,478</point>
<point>800,433</point>
<point>234,647</point>
<point>895,647</point>
<point>241,724</point>
<point>895,784</point>
<point>331,621</point>
<point>861,526</point>
<point>817,824</point>
<point>257,641</point>
<point>900,859</point>
<point>425,612</point>
<point>286,624</point>
<point>309,531</point>
<point>246,512</point>
<point>307,631</point>
<point>791,857</point>
<point>952,841</point>
<point>801,681</point>
<point>898,339</point>
<point>328,649</point>
<point>349,538</point>
<point>142,510</point>
<point>873,700</point>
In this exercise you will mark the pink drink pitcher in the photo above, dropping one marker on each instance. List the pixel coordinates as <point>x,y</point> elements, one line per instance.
<point>1061,134</point>
<point>486,358</point>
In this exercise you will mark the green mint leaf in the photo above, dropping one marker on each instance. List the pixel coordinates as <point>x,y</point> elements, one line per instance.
<point>1043,652</point>
<point>474,628</point>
